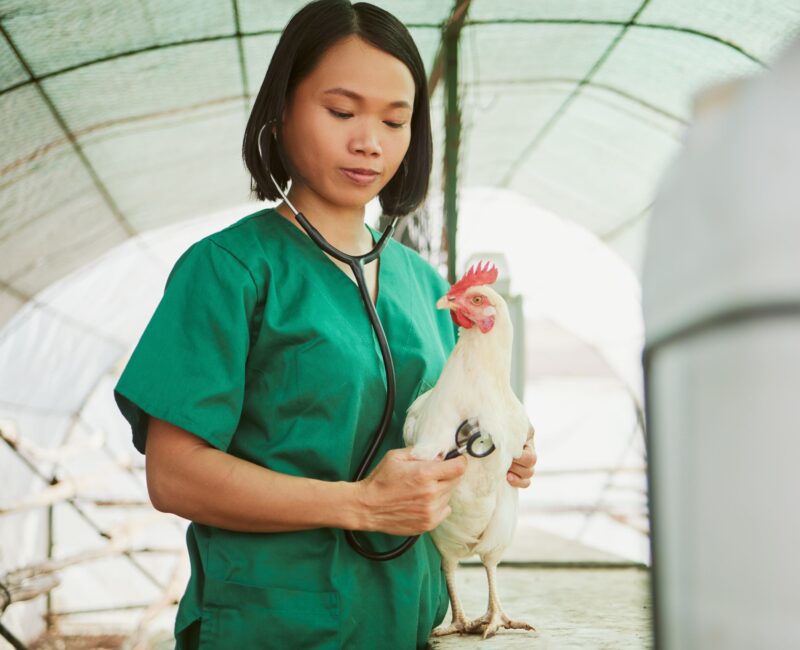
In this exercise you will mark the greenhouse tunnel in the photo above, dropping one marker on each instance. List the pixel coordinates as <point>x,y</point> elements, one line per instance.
<point>553,124</point>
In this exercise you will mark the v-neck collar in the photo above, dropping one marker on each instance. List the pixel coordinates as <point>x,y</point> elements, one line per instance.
<point>309,242</point>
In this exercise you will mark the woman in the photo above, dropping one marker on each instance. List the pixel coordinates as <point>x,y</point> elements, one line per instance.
<point>257,386</point>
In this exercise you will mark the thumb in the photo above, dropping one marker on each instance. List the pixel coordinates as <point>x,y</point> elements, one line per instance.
<point>402,453</point>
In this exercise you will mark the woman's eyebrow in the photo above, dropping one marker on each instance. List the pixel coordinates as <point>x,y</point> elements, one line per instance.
<point>355,96</point>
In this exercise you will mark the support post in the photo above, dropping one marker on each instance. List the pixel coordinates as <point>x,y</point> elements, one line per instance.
<point>452,127</point>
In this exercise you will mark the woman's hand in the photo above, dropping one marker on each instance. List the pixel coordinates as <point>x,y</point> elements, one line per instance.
<point>407,496</point>
<point>521,470</point>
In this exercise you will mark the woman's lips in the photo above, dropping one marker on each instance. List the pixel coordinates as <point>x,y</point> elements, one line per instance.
<point>361,177</point>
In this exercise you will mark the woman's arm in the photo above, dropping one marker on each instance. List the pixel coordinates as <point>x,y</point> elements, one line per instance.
<point>190,478</point>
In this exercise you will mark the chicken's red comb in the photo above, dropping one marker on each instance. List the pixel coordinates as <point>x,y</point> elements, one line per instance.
<point>476,276</point>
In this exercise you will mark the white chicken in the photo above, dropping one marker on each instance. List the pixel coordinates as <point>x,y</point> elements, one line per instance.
<point>475,383</point>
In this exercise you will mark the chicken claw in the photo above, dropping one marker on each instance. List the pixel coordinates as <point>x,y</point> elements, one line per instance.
<point>495,617</point>
<point>491,622</point>
<point>457,626</point>
<point>459,622</point>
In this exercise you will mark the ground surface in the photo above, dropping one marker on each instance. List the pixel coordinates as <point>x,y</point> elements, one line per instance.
<point>571,608</point>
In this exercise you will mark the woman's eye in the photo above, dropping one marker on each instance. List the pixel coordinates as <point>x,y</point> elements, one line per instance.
<point>339,114</point>
<point>395,125</point>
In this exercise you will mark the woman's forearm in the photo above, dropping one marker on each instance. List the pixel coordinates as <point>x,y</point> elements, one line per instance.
<point>187,477</point>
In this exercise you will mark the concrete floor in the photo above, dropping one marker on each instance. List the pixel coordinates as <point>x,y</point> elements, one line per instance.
<point>571,608</point>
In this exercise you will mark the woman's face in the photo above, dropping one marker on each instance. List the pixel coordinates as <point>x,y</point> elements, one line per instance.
<point>352,112</point>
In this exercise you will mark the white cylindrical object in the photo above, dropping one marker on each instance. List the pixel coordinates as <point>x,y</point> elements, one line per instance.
<point>721,299</point>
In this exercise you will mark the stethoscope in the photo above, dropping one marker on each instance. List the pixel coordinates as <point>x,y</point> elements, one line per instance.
<point>468,435</point>
<point>471,439</point>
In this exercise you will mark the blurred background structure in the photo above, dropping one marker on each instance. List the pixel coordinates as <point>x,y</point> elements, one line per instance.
<point>121,134</point>
<point>722,364</point>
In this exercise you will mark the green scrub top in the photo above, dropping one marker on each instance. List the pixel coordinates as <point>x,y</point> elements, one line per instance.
<point>262,347</point>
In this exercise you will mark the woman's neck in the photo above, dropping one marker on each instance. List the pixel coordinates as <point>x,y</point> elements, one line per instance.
<point>343,227</point>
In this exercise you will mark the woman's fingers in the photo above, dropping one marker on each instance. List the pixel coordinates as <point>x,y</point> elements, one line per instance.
<point>449,470</point>
<point>522,469</point>
<point>524,465</point>
<point>407,496</point>
<point>517,482</point>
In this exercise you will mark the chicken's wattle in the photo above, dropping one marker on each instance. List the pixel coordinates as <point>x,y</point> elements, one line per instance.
<point>460,319</point>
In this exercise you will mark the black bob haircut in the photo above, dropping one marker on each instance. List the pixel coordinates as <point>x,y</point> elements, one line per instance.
<point>309,34</point>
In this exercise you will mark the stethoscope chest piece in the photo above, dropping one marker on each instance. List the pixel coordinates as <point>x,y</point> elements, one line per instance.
<point>471,439</point>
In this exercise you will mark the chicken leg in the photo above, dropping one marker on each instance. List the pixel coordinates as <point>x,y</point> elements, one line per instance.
<point>495,617</point>
<point>459,622</point>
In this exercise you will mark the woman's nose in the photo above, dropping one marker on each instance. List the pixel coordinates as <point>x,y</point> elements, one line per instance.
<point>366,140</point>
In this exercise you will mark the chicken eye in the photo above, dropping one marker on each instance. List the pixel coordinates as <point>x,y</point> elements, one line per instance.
<point>477,300</point>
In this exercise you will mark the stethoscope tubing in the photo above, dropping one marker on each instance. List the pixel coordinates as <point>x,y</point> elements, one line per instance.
<point>356,263</point>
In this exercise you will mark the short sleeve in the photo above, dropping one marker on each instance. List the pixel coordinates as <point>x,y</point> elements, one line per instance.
<point>188,368</point>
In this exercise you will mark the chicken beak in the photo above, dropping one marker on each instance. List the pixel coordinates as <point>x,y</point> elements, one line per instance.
<point>446,302</point>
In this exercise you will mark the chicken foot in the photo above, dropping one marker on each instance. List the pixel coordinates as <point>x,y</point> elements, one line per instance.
<point>495,617</point>
<point>459,622</point>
